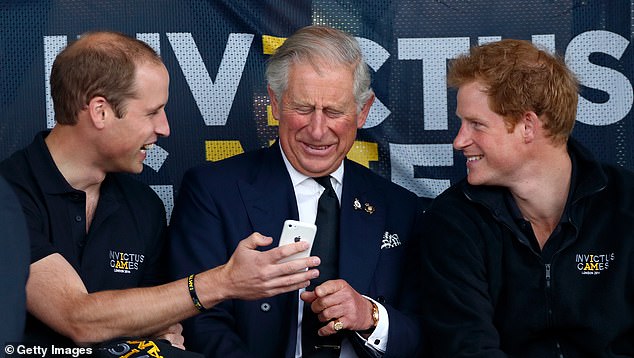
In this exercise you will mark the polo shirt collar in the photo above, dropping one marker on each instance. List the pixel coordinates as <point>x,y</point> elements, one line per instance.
<point>49,177</point>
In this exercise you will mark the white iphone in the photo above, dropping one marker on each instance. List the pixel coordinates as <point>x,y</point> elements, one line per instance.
<point>295,231</point>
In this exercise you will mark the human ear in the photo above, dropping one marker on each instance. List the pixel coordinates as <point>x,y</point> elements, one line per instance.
<point>275,107</point>
<point>363,115</point>
<point>97,107</point>
<point>531,124</point>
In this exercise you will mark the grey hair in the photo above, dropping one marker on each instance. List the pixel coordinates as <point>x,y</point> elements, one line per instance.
<point>315,45</point>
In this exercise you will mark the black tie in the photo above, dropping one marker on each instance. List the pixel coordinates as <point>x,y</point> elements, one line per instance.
<point>326,246</point>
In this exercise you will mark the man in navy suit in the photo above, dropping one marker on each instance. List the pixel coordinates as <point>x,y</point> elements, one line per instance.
<point>320,92</point>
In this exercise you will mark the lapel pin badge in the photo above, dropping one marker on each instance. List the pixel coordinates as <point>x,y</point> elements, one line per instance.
<point>356,204</point>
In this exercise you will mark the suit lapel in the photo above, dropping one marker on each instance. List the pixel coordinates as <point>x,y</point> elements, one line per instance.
<point>268,195</point>
<point>360,231</point>
<point>269,199</point>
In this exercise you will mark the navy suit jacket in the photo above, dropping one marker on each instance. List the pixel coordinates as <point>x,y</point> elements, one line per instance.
<point>221,203</point>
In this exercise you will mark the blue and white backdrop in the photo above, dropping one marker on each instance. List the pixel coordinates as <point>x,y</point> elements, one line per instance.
<point>215,51</point>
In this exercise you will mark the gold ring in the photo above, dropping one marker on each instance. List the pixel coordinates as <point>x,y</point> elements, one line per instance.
<point>337,326</point>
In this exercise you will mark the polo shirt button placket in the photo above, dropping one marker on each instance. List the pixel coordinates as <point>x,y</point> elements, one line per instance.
<point>79,219</point>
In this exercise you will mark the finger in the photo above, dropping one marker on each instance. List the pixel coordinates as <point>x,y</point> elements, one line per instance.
<point>335,298</point>
<point>256,240</point>
<point>329,329</point>
<point>302,264</point>
<point>330,287</point>
<point>277,290</point>
<point>176,339</point>
<point>332,312</point>
<point>284,251</point>
<point>292,282</point>
<point>173,334</point>
<point>181,346</point>
<point>177,328</point>
<point>308,296</point>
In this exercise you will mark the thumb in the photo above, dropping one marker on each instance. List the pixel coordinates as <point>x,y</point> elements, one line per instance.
<point>308,296</point>
<point>256,240</point>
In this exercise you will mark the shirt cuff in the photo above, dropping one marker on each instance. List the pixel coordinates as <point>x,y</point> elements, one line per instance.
<point>378,338</point>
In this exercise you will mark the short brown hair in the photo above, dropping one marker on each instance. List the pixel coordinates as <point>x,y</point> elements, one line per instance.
<point>520,77</point>
<point>98,64</point>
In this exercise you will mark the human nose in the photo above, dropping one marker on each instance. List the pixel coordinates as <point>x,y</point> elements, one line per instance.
<point>318,124</point>
<point>162,127</point>
<point>463,139</point>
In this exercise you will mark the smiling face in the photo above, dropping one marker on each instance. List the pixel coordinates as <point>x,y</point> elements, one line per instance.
<point>494,156</point>
<point>125,140</point>
<point>318,117</point>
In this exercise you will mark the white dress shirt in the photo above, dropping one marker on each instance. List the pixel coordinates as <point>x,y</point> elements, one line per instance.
<point>307,193</point>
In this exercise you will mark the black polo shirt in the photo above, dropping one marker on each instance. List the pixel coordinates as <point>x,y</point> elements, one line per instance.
<point>123,246</point>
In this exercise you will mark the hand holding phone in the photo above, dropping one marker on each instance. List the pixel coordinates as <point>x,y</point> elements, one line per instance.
<point>295,231</point>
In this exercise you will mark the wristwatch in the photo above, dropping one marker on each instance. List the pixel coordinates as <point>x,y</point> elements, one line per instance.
<point>375,319</point>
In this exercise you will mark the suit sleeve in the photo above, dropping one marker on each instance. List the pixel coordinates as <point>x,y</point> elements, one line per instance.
<point>404,310</point>
<point>405,337</point>
<point>458,309</point>
<point>197,242</point>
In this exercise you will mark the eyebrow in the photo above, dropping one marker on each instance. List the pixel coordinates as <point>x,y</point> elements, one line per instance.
<point>157,107</point>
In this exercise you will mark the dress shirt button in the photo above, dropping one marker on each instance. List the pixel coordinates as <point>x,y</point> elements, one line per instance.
<point>376,342</point>
<point>380,299</point>
<point>78,218</point>
<point>265,307</point>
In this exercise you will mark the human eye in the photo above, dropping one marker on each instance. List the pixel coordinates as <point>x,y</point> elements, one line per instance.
<point>476,124</point>
<point>333,113</point>
<point>304,109</point>
<point>154,112</point>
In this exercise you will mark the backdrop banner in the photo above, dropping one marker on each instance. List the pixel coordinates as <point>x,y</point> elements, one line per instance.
<point>216,52</point>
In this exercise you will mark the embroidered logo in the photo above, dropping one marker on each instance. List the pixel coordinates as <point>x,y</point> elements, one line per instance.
<point>390,241</point>
<point>592,264</point>
<point>123,262</point>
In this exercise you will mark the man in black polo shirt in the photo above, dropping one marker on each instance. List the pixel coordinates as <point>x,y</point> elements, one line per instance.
<point>96,235</point>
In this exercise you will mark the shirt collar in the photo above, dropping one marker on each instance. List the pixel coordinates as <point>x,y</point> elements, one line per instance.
<point>297,177</point>
<point>49,177</point>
